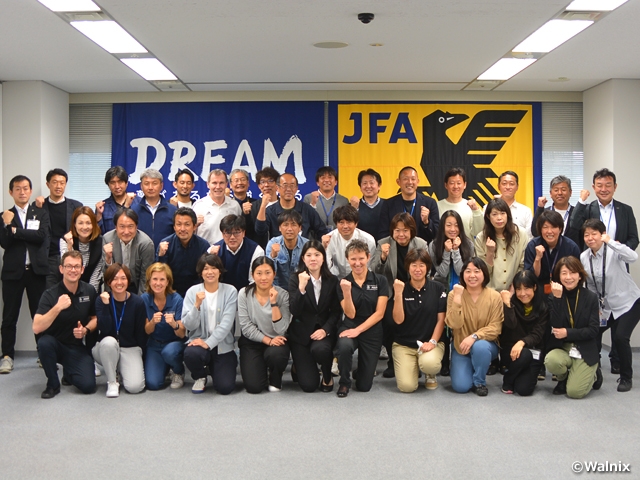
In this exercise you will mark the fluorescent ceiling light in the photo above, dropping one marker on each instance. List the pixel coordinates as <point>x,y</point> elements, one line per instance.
<point>594,5</point>
<point>110,36</point>
<point>551,35</point>
<point>505,68</point>
<point>70,5</point>
<point>149,68</point>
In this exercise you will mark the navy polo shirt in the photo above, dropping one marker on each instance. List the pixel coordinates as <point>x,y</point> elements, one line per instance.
<point>365,298</point>
<point>421,309</point>
<point>82,308</point>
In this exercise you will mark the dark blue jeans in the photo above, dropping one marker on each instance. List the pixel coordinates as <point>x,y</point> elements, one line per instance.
<point>471,369</point>
<point>76,361</point>
<point>160,357</point>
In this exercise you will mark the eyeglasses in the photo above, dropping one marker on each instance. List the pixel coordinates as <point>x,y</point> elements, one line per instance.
<point>288,186</point>
<point>72,267</point>
<point>234,233</point>
<point>268,181</point>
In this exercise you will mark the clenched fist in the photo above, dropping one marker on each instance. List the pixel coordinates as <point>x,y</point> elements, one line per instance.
<point>104,296</point>
<point>384,251</point>
<point>539,252</point>
<point>556,289</point>
<point>491,246</point>
<point>424,215</point>
<point>345,285</point>
<point>162,248</point>
<point>542,201</point>
<point>303,279</point>
<point>275,250</point>
<point>200,296</point>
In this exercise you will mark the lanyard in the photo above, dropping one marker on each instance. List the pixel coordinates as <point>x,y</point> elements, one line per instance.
<point>413,207</point>
<point>555,259</point>
<point>333,204</point>
<point>610,215</point>
<point>604,263</point>
<point>566,215</point>
<point>115,315</point>
<point>575,308</point>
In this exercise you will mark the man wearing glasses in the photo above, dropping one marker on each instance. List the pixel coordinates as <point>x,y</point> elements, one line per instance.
<point>266,179</point>
<point>212,208</point>
<point>66,314</point>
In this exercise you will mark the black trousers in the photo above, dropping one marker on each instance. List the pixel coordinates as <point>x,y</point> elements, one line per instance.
<point>388,332</point>
<point>54,275</point>
<point>522,374</point>
<point>222,367</point>
<point>261,365</point>
<point>76,361</point>
<point>306,359</point>
<point>12,291</point>
<point>621,336</point>
<point>368,345</point>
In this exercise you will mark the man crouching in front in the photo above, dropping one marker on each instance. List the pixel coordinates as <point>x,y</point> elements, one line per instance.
<point>66,314</point>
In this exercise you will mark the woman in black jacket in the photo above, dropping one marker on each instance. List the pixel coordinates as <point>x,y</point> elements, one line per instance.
<point>315,310</point>
<point>526,317</point>
<point>573,352</point>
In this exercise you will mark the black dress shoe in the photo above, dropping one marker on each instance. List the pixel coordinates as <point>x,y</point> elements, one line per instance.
<point>480,390</point>
<point>343,391</point>
<point>615,369</point>
<point>599,379</point>
<point>50,392</point>
<point>624,385</point>
<point>561,387</point>
<point>65,381</point>
<point>326,388</point>
<point>389,373</point>
<point>294,374</point>
<point>445,372</point>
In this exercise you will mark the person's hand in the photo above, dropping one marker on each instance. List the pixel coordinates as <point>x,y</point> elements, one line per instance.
<point>584,194</point>
<point>67,237</point>
<point>7,217</point>
<point>427,347</point>
<point>424,215</point>
<point>128,200</point>
<point>273,295</point>
<point>491,246</point>
<point>325,240</point>
<point>539,252</point>
<point>515,351</point>
<point>157,317</point>
<point>473,205</point>
<point>606,238</point>
<point>466,344</point>
<point>200,220</point>
<point>99,210</point>
<point>398,286</point>
<point>214,249</point>
<point>542,201</point>
<point>303,279</point>
<point>314,198</point>
<point>174,201</point>
<point>64,302</point>
<point>162,248</point>
<point>198,342</point>
<point>556,289</point>
<point>200,296</point>
<point>456,243</point>
<point>355,202</point>
<point>104,296</point>
<point>458,290</point>
<point>275,249</point>
<point>559,333</point>
<point>318,334</point>
<point>448,245</point>
<point>170,319</point>
<point>39,201</point>
<point>384,251</point>
<point>351,333</point>
<point>278,341</point>
<point>267,198</point>
<point>79,331</point>
<point>108,252</point>
<point>345,285</point>
<point>246,208</point>
<point>506,297</point>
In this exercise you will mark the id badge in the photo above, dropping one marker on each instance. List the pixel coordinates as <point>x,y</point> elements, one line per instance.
<point>603,320</point>
<point>33,224</point>
<point>575,353</point>
<point>547,288</point>
<point>535,353</point>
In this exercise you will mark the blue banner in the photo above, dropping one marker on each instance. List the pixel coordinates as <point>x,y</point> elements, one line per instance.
<point>288,136</point>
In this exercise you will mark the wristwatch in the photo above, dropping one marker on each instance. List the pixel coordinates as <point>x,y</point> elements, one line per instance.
<point>433,341</point>
<point>474,336</point>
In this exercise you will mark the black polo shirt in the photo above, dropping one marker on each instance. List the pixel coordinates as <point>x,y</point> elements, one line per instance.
<point>82,308</point>
<point>421,308</point>
<point>365,298</point>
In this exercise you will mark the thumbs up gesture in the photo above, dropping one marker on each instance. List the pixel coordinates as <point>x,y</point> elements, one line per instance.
<point>78,332</point>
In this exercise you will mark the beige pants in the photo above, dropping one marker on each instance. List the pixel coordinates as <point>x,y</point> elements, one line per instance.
<point>406,362</point>
<point>579,375</point>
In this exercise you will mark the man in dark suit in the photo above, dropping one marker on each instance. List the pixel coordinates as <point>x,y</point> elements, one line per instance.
<point>422,208</point>
<point>60,210</point>
<point>25,238</point>
<point>618,218</point>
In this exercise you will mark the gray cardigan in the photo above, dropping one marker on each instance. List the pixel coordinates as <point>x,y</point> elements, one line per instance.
<point>389,268</point>
<point>255,320</point>
<point>197,323</point>
<point>142,255</point>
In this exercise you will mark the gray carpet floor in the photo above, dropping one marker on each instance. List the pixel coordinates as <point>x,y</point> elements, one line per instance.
<point>293,435</point>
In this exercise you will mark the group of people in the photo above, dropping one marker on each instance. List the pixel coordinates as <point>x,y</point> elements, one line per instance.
<point>146,287</point>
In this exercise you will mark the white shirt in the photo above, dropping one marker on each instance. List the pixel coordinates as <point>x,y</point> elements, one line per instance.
<point>22,215</point>
<point>608,217</point>
<point>473,220</point>
<point>258,252</point>
<point>522,217</point>
<point>317,287</point>
<point>152,209</point>
<point>336,259</point>
<point>126,252</point>
<point>212,306</point>
<point>213,213</point>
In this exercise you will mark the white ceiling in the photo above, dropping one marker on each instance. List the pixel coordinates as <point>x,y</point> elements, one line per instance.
<point>268,45</point>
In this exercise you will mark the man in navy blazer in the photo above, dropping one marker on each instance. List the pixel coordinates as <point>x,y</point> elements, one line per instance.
<point>25,238</point>
<point>422,208</point>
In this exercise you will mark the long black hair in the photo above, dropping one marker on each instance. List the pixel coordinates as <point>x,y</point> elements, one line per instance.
<point>256,263</point>
<point>315,244</point>
<point>527,279</point>
<point>511,232</point>
<point>441,237</point>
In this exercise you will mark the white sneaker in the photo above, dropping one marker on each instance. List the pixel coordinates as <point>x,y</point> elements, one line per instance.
<point>97,368</point>
<point>6,364</point>
<point>431,382</point>
<point>113,389</point>
<point>177,380</point>
<point>199,385</point>
<point>274,389</point>
<point>335,371</point>
<point>383,353</point>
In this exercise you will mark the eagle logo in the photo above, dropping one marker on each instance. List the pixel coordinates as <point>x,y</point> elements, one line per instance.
<point>485,136</point>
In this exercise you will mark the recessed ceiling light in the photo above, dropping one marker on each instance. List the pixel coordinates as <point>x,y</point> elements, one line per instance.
<point>70,5</point>
<point>551,35</point>
<point>376,44</point>
<point>149,68</point>
<point>331,45</point>
<point>110,36</point>
<point>594,5</point>
<point>559,79</point>
<point>505,68</point>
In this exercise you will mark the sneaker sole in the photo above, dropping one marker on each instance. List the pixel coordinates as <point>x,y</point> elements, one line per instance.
<point>431,387</point>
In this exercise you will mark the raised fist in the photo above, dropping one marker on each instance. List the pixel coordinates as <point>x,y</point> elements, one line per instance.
<point>355,202</point>
<point>199,298</point>
<point>506,297</point>
<point>398,285</point>
<point>275,249</point>
<point>491,245</point>
<point>556,289</point>
<point>214,249</point>
<point>104,296</point>
<point>162,248</point>
<point>7,217</point>
<point>345,285</point>
<point>456,243</point>
<point>384,251</point>
<point>542,201</point>
<point>424,215</point>
<point>473,205</point>
<point>246,208</point>
<point>584,194</point>
<point>303,279</point>
<point>539,252</point>
<point>314,198</point>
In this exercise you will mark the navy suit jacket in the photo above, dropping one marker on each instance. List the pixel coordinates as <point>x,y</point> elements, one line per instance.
<point>395,205</point>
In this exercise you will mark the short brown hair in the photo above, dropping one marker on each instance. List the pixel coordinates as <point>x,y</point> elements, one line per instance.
<point>72,254</point>
<point>407,220</point>
<point>113,270</point>
<point>164,268</point>
<point>478,263</point>
<point>95,229</point>
<point>417,255</point>
<point>573,265</point>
